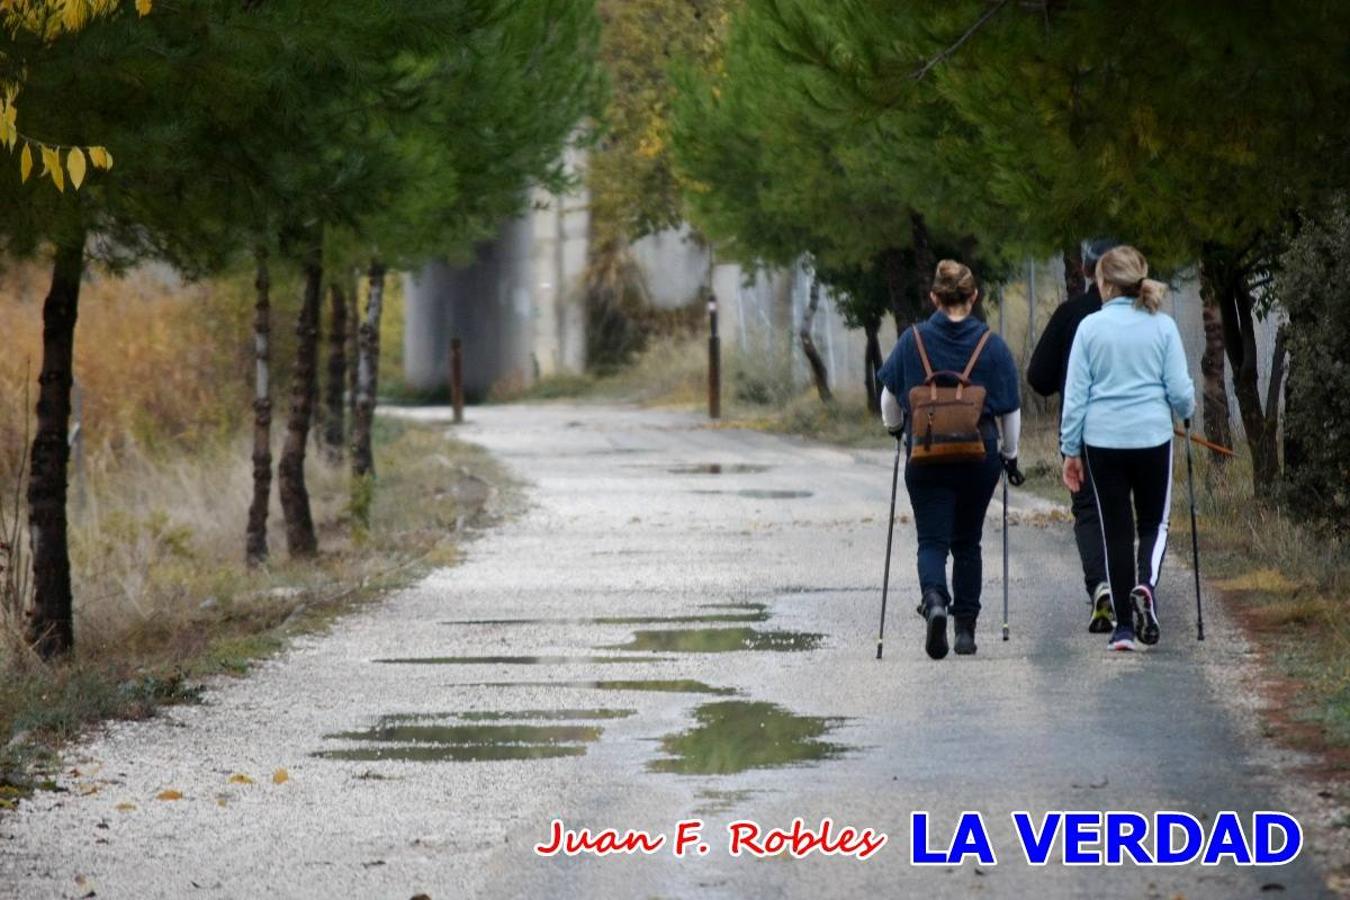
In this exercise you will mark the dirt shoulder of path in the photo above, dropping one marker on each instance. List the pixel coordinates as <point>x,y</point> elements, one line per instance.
<point>217,620</point>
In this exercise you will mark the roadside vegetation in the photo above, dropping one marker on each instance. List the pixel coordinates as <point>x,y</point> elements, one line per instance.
<point>161,481</point>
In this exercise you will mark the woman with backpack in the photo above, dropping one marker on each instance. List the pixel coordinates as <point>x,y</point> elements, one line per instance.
<point>1127,376</point>
<point>945,384</point>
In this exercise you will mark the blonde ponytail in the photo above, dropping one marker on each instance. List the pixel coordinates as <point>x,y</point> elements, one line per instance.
<point>1151,295</point>
<point>1126,269</point>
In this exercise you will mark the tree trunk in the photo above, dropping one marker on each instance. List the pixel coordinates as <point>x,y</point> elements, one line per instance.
<point>1075,281</point>
<point>1214,394</point>
<point>1031,311</point>
<point>925,262</point>
<point>50,626</point>
<point>255,541</point>
<point>819,373</point>
<point>1239,330</point>
<point>367,384</point>
<point>871,365</point>
<point>894,270</point>
<point>335,425</point>
<point>300,538</point>
<point>353,293</point>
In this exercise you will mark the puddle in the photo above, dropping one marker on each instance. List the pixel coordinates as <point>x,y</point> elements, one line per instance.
<point>395,739</point>
<point>547,714</point>
<point>716,803</point>
<point>756,494</point>
<point>400,733</point>
<point>720,640</point>
<point>732,736</point>
<point>524,715</point>
<point>665,686</point>
<point>518,660</point>
<point>759,615</point>
<point>451,753</point>
<point>718,469</point>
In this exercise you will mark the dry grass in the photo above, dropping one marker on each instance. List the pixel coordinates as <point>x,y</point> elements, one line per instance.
<point>157,511</point>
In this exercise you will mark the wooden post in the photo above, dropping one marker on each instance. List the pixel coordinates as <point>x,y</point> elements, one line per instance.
<point>714,362</point>
<point>457,379</point>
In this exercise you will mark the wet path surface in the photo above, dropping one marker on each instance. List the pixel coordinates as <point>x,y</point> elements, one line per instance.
<point>681,625</point>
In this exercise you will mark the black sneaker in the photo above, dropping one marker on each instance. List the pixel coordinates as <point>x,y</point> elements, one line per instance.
<point>934,611</point>
<point>1103,610</point>
<point>965,639</point>
<point>1145,614</point>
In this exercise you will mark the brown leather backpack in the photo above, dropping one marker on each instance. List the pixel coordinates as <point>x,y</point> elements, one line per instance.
<point>946,420</point>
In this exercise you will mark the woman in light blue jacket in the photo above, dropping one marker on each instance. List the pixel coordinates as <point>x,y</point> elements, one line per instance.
<point>1127,376</point>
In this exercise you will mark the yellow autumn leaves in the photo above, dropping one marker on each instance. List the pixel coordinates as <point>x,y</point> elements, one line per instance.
<point>75,164</point>
<point>51,19</point>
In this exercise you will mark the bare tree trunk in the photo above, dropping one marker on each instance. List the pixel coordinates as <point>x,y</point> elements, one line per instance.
<point>300,538</point>
<point>1075,282</point>
<point>818,371</point>
<point>255,540</point>
<point>50,626</point>
<point>925,262</point>
<point>1236,306</point>
<point>335,425</point>
<point>353,317</point>
<point>871,365</point>
<point>367,384</point>
<point>1214,393</point>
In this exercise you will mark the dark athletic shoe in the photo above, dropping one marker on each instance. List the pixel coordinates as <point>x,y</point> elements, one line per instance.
<point>1145,614</point>
<point>1103,611</point>
<point>1122,639</point>
<point>934,611</point>
<point>965,639</point>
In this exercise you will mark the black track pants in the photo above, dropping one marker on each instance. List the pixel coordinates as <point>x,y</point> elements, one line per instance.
<point>1087,533</point>
<point>1134,492</point>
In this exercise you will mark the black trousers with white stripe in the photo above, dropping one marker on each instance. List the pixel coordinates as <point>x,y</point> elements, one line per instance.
<point>1134,493</point>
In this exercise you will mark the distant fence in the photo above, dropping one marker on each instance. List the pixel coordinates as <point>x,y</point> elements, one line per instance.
<point>761,315</point>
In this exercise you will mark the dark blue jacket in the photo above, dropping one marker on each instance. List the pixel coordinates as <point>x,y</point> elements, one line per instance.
<point>949,346</point>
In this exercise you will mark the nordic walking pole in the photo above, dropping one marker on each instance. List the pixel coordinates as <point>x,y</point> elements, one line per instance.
<point>1195,539</point>
<point>1005,555</point>
<point>890,534</point>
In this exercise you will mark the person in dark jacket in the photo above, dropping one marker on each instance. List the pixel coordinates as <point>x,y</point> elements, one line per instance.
<point>1046,373</point>
<point>950,499</point>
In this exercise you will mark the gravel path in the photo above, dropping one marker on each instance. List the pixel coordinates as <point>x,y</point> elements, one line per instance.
<point>377,723</point>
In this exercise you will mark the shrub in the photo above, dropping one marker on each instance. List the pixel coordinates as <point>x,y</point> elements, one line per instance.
<point>1313,275</point>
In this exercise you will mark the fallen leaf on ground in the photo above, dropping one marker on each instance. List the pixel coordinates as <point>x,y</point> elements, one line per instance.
<point>125,807</point>
<point>241,778</point>
<point>169,795</point>
<point>281,776</point>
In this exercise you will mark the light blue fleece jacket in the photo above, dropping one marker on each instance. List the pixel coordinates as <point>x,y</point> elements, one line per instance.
<point>1127,375</point>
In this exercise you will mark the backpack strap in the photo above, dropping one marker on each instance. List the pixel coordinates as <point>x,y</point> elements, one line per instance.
<point>923,352</point>
<point>974,357</point>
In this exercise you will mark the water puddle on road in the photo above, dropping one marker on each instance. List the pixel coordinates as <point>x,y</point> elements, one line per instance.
<point>519,660</point>
<point>719,469</point>
<point>719,640</point>
<point>410,739</point>
<point>731,736</point>
<point>756,494</point>
<point>716,803</point>
<point>451,753</point>
<point>524,715</point>
<point>759,615</point>
<point>662,686</point>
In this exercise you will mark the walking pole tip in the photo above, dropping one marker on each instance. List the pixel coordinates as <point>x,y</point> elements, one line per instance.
<point>879,649</point>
